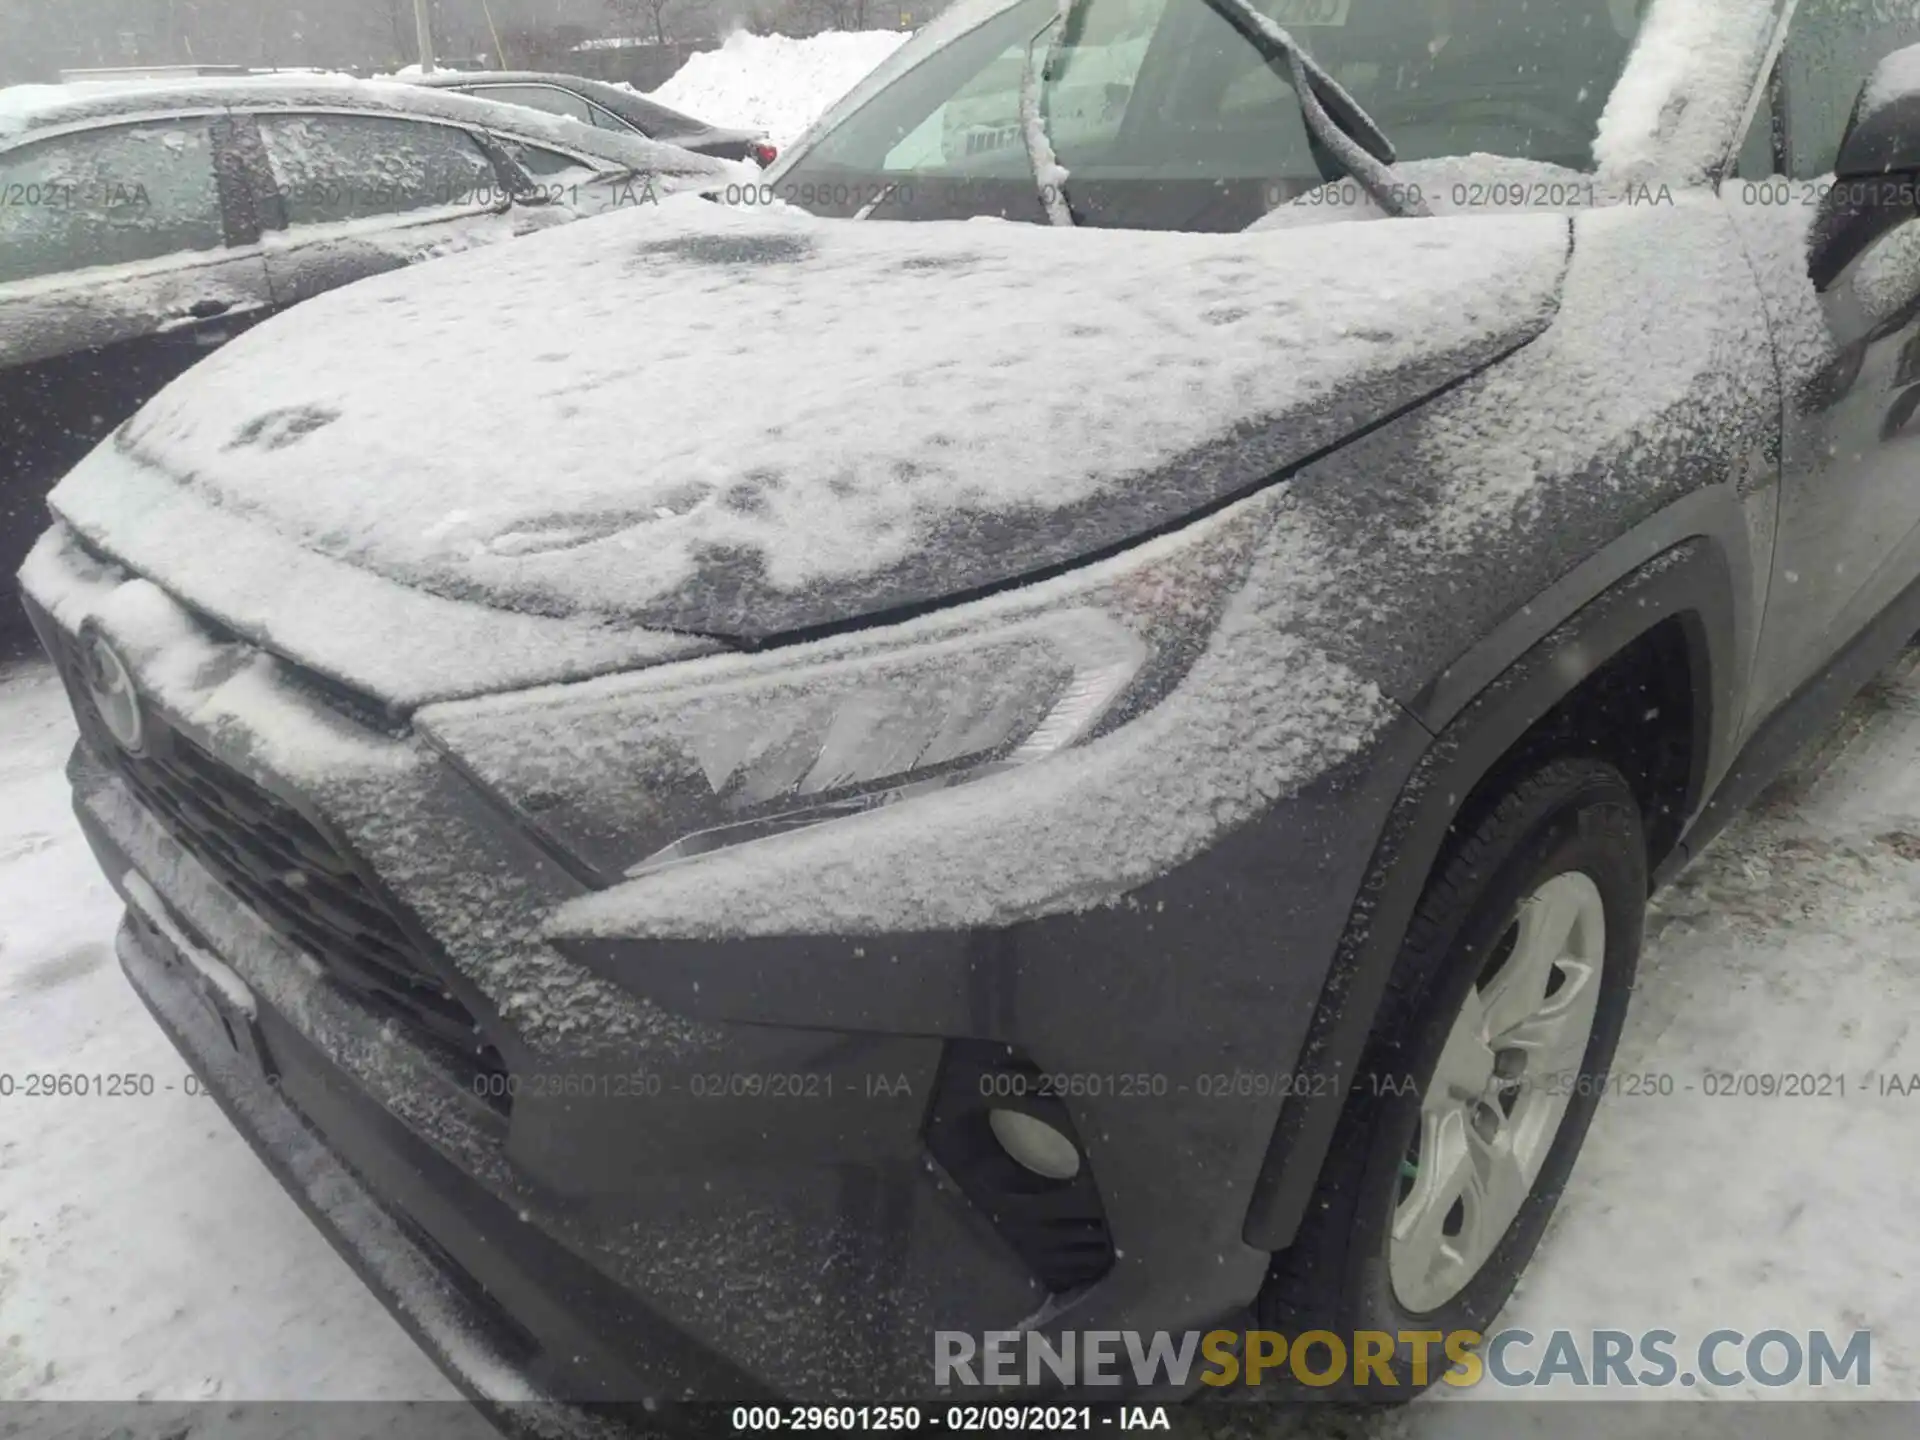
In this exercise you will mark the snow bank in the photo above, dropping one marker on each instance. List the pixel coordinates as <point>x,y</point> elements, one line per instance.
<point>774,83</point>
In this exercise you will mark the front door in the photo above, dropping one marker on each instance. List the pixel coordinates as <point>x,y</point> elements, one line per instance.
<point>1849,525</point>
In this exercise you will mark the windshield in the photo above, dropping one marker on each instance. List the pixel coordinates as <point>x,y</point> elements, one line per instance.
<point>1165,116</point>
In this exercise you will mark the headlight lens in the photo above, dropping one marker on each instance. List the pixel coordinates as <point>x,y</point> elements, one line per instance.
<point>635,773</point>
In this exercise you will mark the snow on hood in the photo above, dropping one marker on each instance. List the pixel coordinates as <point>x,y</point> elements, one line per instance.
<point>743,423</point>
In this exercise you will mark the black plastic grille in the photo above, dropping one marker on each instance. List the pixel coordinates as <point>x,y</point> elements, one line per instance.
<point>295,879</point>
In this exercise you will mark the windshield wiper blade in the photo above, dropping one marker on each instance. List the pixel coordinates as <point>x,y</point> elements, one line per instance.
<point>1049,175</point>
<point>1368,163</point>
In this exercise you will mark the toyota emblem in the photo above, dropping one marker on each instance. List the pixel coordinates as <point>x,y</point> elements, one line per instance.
<point>110,684</point>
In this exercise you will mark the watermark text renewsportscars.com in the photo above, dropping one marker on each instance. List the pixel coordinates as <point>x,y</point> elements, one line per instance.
<point>1409,1359</point>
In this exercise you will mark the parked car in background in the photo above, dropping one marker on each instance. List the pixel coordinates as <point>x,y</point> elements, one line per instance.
<point>606,107</point>
<point>142,226</point>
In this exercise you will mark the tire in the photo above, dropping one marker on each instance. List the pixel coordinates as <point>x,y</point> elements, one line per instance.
<point>1566,818</point>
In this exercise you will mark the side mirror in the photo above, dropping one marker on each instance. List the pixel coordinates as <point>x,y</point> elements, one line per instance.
<point>1883,133</point>
<point>1876,185</point>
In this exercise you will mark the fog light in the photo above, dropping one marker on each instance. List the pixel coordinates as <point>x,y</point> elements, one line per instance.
<point>1035,1145</point>
<point>1020,1162</point>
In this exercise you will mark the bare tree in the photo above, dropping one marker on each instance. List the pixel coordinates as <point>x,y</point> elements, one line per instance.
<point>632,13</point>
<point>39,38</point>
<point>810,16</point>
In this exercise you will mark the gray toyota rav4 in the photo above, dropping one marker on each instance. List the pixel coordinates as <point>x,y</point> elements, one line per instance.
<point>1061,715</point>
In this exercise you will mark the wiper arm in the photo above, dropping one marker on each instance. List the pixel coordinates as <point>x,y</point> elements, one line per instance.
<point>884,194</point>
<point>1049,175</point>
<point>1358,159</point>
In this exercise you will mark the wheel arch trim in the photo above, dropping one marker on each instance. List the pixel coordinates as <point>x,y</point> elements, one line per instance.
<point>1690,581</point>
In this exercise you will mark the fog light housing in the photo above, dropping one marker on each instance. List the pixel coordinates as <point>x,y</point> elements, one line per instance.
<point>1013,1150</point>
<point>1034,1145</point>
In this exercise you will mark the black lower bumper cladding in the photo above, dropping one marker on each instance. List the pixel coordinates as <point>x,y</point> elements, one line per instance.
<point>446,1301</point>
<point>470,1339</point>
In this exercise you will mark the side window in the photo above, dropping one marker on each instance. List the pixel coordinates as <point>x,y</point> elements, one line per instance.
<point>332,168</point>
<point>112,196</point>
<point>1831,48</point>
<point>539,97</point>
<point>540,162</point>
<point>607,120</point>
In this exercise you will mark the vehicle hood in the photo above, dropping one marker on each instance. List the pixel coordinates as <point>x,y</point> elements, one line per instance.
<point>747,423</point>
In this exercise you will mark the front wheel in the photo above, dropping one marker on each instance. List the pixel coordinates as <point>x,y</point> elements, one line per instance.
<point>1487,1061</point>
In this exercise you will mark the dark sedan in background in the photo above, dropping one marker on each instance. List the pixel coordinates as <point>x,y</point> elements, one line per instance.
<point>143,226</point>
<point>606,107</point>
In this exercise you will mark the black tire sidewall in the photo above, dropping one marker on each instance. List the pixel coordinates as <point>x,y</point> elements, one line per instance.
<point>1594,828</point>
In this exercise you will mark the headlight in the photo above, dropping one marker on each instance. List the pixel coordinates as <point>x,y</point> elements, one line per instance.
<point>638,772</point>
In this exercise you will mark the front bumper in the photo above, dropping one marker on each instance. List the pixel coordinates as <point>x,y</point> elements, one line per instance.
<point>470,1335</point>
<point>635,1226</point>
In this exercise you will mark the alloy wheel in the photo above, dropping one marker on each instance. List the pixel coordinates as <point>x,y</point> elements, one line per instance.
<point>1491,1109</point>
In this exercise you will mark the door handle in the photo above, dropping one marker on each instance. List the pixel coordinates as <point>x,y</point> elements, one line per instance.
<point>202,311</point>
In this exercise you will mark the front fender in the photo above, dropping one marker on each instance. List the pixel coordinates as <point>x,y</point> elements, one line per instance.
<point>1692,583</point>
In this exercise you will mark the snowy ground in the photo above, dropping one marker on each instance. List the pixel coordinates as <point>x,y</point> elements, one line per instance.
<point>144,1252</point>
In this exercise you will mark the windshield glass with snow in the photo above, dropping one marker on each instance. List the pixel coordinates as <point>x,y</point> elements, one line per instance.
<point>1167,117</point>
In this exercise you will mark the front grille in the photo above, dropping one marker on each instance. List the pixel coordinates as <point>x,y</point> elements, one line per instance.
<point>296,880</point>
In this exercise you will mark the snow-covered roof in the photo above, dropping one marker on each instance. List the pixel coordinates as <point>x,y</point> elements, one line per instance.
<point>648,114</point>
<point>743,422</point>
<point>24,107</point>
<point>28,108</point>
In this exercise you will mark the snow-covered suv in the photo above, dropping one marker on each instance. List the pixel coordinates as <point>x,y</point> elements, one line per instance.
<point>765,783</point>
